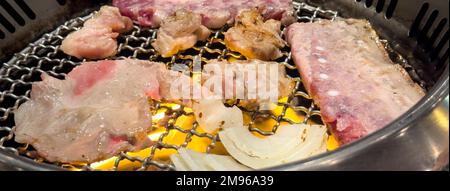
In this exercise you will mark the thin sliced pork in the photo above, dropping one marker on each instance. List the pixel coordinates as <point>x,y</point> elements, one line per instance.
<point>97,38</point>
<point>254,38</point>
<point>215,13</point>
<point>180,32</point>
<point>242,84</point>
<point>351,77</point>
<point>100,110</point>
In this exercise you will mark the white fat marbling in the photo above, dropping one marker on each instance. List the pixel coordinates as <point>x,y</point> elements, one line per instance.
<point>322,60</point>
<point>333,93</point>
<point>324,76</point>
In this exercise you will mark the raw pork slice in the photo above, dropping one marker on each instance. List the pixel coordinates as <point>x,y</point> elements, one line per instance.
<point>350,76</point>
<point>215,13</point>
<point>97,38</point>
<point>100,110</point>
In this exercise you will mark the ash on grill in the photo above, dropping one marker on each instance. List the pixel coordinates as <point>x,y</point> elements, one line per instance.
<point>44,56</point>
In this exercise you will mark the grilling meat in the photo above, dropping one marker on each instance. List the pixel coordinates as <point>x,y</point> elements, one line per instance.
<point>215,13</point>
<point>243,85</point>
<point>180,32</point>
<point>211,113</point>
<point>100,110</point>
<point>350,76</point>
<point>254,38</point>
<point>97,38</point>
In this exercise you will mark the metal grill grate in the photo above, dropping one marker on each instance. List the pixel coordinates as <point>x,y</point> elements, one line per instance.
<point>44,56</point>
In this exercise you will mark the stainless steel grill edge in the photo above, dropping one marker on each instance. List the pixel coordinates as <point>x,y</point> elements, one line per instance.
<point>417,29</point>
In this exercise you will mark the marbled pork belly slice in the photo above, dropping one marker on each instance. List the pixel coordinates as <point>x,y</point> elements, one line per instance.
<point>350,76</point>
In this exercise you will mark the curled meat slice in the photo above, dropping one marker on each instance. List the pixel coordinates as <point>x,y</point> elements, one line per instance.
<point>180,32</point>
<point>97,38</point>
<point>99,110</point>
<point>253,82</point>
<point>254,38</point>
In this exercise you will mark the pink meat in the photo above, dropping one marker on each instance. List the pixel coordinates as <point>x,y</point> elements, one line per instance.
<point>100,110</point>
<point>86,77</point>
<point>180,32</point>
<point>350,76</point>
<point>97,38</point>
<point>215,13</point>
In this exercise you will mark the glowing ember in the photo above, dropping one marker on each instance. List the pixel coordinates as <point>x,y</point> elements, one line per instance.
<point>155,136</point>
<point>176,107</point>
<point>99,165</point>
<point>200,144</point>
<point>159,116</point>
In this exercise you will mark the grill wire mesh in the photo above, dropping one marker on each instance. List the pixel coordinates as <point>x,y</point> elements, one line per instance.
<point>44,56</point>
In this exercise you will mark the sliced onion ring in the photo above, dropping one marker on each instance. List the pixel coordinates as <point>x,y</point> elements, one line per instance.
<point>189,160</point>
<point>290,143</point>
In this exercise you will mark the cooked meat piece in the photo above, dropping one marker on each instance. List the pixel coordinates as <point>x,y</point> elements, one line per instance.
<point>243,85</point>
<point>100,110</point>
<point>254,38</point>
<point>215,13</point>
<point>180,32</point>
<point>91,43</point>
<point>97,38</point>
<point>350,76</point>
<point>110,17</point>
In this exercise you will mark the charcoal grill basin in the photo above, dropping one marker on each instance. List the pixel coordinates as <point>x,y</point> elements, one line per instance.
<point>417,29</point>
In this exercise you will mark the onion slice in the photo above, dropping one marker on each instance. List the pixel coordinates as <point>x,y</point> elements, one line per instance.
<point>212,114</point>
<point>189,160</point>
<point>290,143</point>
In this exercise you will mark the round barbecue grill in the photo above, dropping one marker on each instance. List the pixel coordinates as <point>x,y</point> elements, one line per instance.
<point>416,35</point>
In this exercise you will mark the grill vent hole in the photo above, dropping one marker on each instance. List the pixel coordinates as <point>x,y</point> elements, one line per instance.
<point>426,28</point>
<point>7,24</point>
<point>440,46</point>
<point>391,9</point>
<point>26,9</point>
<point>428,39</point>
<point>380,6</point>
<point>61,2</point>
<point>443,62</point>
<point>2,35</point>
<point>11,11</point>
<point>414,31</point>
<point>369,3</point>
<point>437,32</point>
